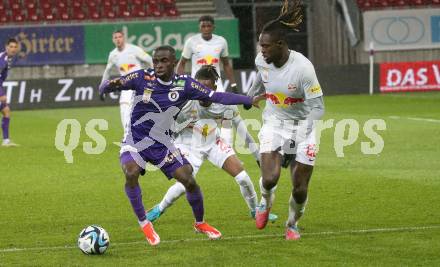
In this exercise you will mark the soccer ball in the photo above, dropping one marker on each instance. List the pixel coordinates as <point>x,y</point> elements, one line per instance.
<point>93,240</point>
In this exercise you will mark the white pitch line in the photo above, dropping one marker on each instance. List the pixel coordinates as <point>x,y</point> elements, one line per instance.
<point>343,232</point>
<point>415,119</point>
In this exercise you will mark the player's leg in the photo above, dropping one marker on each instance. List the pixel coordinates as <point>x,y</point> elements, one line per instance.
<point>233,167</point>
<point>301,172</point>
<point>173,193</point>
<point>134,193</point>
<point>195,198</point>
<point>6,112</point>
<point>125,102</point>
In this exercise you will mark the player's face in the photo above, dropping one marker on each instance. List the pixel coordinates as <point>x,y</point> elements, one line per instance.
<point>12,49</point>
<point>164,63</point>
<point>206,28</point>
<point>209,84</point>
<point>118,39</point>
<point>270,49</point>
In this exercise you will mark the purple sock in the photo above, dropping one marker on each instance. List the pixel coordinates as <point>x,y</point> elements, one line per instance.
<point>5,127</point>
<point>135,197</point>
<point>195,199</point>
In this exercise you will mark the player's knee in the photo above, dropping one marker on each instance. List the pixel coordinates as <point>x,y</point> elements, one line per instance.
<point>270,180</point>
<point>131,173</point>
<point>4,107</point>
<point>300,194</point>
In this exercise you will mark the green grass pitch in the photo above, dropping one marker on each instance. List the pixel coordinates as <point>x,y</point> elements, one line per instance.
<point>364,210</point>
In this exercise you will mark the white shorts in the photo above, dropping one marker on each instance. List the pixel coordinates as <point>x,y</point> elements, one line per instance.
<point>216,154</point>
<point>289,137</point>
<point>126,97</point>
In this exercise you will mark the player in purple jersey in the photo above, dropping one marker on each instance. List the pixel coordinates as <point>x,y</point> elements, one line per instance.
<point>159,95</point>
<point>11,49</point>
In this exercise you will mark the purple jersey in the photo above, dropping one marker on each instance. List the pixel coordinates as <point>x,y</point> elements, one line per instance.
<point>157,103</point>
<point>4,66</point>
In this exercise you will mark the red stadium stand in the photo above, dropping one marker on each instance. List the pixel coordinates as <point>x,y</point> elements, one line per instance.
<point>93,13</point>
<point>12,11</point>
<point>78,13</point>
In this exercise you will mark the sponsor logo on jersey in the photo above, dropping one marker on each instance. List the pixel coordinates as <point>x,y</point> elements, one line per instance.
<point>179,83</point>
<point>173,96</point>
<point>131,76</point>
<point>126,67</point>
<point>281,100</point>
<point>315,90</point>
<point>199,87</point>
<point>207,60</point>
<point>146,96</point>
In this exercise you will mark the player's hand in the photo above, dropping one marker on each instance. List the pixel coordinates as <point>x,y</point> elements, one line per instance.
<point>235,89</point>
<point>102,96</point>
<point>257,99</point>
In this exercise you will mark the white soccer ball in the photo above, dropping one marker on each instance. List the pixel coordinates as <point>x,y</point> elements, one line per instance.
<point>93,240</point>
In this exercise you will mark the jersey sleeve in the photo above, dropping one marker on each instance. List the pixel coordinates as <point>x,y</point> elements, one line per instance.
<point>108,67</point>
<point>187,49</point>
<point>309,83</point>
<point>197,91</point>
<point>127,82</point>
<point>225,49</point>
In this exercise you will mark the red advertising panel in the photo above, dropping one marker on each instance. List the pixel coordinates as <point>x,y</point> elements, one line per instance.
<point>410,76</point>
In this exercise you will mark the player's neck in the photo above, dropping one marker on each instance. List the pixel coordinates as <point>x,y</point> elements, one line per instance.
<point>207,37</point>
<point>284,58</point>
<point>120,48</point>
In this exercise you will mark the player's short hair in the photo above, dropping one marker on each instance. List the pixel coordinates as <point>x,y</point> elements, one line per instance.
<point>207,72</point>
<point>166,48</point>
<point>11,40</point>
<point>290,18</point>
<point>118,31</point>
<point>206,18</point>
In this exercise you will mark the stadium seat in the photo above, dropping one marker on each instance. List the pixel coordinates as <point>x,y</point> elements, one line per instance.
<point>172,12</point>
<point>138,2</point>
<point>32,14</point>
<point>108,12</point>
<point>420,2</point>
<point>78,13</point>
<point>17,15</point>
<point>401,3</point>
<point>4,18</point>
<point>435,2</point>
<point>138,10</point>
<point>93,13</point>
<point>123,10</point>
<point>48,14</point>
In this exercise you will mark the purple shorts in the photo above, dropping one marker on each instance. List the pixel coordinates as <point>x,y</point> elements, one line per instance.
<point>2,91</point>
<point>168,160</point>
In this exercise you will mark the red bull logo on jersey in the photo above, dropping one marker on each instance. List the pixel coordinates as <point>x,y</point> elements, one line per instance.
<point>281,100</point>
<point>207,60</point>
<point>126,67</point>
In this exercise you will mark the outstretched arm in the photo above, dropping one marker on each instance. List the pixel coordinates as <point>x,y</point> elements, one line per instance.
<point>257,87</point>
<point>126,82</point>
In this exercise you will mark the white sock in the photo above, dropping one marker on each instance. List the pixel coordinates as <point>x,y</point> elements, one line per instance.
<point>247,189</point>
<point>125,116</point>
<point>173,193</point>
<point>227,135</point>
<point>143,223</point>
<point>267,196</point>
<point>296,211</point>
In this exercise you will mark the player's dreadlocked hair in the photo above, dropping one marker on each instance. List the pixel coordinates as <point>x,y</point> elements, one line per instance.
<point>290,18</point>
<point>207,72</point>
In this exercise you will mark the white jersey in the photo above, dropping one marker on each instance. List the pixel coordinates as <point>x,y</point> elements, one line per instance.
<point>128,60</point>
<point>202,52</point>
<point>205,122</point>
<point>288,87</point>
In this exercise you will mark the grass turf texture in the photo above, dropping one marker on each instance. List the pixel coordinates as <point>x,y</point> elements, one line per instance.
<point>45,202</point>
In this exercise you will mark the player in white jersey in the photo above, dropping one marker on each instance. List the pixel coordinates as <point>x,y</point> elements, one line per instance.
<point>206,48</point>
<point>126,58</point>
<point>198,139</point>
<point>293,102</point>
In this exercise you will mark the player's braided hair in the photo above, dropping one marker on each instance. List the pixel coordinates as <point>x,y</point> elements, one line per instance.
<point>290,18</point>
<point>207,72</point>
